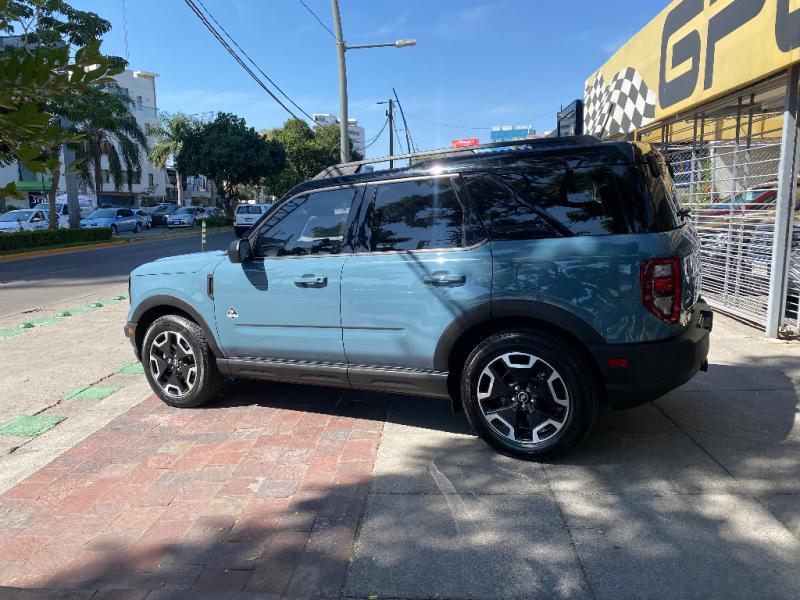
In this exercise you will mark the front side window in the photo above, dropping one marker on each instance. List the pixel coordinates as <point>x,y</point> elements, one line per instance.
<point>416,215</point>
<point>311,224</point>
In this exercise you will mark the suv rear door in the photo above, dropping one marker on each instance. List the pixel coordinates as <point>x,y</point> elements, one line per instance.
<point>284,303</point>
<point>420,263</point>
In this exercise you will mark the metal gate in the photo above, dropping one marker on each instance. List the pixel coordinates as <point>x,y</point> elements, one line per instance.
<point>726,157</point>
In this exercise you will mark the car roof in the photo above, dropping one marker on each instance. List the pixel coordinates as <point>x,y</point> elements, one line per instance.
<point>588,147</point>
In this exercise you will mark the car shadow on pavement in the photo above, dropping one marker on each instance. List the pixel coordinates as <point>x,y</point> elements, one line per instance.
<point>671,499</point>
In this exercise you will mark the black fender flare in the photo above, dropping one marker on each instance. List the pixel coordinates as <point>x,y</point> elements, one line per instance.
<point>504,308</point>
<point>163,300</point>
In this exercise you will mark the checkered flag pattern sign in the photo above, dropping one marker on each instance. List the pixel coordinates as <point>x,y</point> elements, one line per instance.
<point>625,105</point>
<point>594,99</point>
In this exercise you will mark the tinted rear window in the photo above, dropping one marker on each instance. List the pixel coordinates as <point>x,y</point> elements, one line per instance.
<point>417,215</point>
<point>248,209</point>
<point>553,199</point>
<point>661,212</point>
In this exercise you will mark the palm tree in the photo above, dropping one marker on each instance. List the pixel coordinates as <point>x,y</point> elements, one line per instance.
<point>103,119</point>
<point>171,135</point>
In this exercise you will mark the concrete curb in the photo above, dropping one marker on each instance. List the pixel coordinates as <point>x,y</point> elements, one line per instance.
<point>111,244</point>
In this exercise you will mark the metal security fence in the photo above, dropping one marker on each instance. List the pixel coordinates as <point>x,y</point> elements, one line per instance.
<point>727,158</point>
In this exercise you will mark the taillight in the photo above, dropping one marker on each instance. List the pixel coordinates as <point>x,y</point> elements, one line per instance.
<point>661,288</point>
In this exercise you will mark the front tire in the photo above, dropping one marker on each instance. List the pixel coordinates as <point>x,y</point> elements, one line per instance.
<point>113,230</point>
<point>528,394</point>
<point>138,228</point>
<point>178,362</point>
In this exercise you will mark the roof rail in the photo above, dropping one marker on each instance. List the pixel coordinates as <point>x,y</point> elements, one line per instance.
<point>351,168</point>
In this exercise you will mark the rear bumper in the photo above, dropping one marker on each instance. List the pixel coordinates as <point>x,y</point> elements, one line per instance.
<point>656,368</point>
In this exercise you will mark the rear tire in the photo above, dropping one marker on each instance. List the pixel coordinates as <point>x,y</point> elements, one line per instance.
<point>113,230</point>
<point>178,362</point>
<point>138,228</point>
<point>528,394</point>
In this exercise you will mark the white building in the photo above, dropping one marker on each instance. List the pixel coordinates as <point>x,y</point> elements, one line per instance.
<point>357,134</point>
<point>151,183</point>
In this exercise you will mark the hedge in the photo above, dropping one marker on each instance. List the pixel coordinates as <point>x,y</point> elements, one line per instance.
<point>223,221</point>
<point>28,240</point>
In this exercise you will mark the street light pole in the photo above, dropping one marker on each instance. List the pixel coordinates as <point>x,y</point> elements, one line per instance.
<point>344,142</point>
<point>341,48</point>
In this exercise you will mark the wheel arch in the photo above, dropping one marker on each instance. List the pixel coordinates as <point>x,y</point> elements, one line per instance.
<point>154,307</point>
<point>464,333</point>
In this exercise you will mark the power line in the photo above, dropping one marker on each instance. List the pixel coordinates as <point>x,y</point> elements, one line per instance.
<point>409,141</point>
<point>376,137</point>
<point>247,56</point>
<point>397,135</point>
<point>125,28</point>
<point>236,57</point>
<point>448,124</point>
<point>313,14</point>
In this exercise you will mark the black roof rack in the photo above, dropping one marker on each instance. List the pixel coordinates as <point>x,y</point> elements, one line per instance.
<point>351,168</point>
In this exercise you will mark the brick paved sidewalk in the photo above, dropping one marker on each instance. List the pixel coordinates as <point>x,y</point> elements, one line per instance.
<point>258,495</point>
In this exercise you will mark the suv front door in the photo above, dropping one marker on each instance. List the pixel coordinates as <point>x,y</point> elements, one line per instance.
<point>419,264</point>
<point>283,304</point>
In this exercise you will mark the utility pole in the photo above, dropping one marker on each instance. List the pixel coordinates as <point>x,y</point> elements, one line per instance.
<point>390,114</point>
<point>344,147</point>
<point>341,49</point>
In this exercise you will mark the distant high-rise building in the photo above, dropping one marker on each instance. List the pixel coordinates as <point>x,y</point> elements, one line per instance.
<point>357,134</point>
<point>509,133</point>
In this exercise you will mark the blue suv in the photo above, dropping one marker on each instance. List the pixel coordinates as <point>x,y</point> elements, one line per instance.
<point>530,283</point>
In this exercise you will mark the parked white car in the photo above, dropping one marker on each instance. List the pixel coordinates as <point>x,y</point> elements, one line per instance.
<point>186,216</point>
<point>246,215</point>
<point>28,219</point>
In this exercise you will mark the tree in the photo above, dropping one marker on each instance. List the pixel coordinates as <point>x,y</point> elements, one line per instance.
<point>37,74</point>
<point>103,119</point>
<point>171,134</point>
<point>229,153</point>
<point>308,151</point>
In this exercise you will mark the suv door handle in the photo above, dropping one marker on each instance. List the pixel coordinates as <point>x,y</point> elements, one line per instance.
<point>444,278</point>
<point>311,281</point>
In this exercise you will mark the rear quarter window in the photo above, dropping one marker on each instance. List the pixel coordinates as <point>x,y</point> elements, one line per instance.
<point>551,200</point>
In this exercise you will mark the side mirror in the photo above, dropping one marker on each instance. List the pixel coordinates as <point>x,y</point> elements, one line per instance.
<point>239,251</point>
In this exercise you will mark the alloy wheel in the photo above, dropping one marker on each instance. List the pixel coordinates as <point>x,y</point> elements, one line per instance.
<point>523,398</point>
<point>173,364</point>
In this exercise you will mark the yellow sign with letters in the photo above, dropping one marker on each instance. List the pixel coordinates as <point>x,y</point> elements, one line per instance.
<point>693,51</point>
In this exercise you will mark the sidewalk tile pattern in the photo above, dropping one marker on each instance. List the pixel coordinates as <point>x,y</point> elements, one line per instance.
<point>254,495</point>
<point>30,425</point>
<point>91,392</point>
<point>135,368</point>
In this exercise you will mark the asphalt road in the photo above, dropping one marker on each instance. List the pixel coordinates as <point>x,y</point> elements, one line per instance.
<point>32,283</point>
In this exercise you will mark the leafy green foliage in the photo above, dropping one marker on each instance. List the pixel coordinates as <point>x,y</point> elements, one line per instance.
<point>38,74</point>
<point>170,134</point>
<point>32,240</point>
<point>103,119</point>
<point>308,151</point>
<point>230,153</point>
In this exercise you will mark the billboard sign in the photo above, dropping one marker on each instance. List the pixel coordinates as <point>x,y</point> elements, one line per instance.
<point>702,50</point>
<point>464,143</point>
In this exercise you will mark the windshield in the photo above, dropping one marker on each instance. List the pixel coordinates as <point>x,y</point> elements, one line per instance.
<point>16,215</point>
<point>185,211</point>
<point>103,213</point>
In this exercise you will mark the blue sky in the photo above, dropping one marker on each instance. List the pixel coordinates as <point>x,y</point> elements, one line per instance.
<point>476,64</point>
